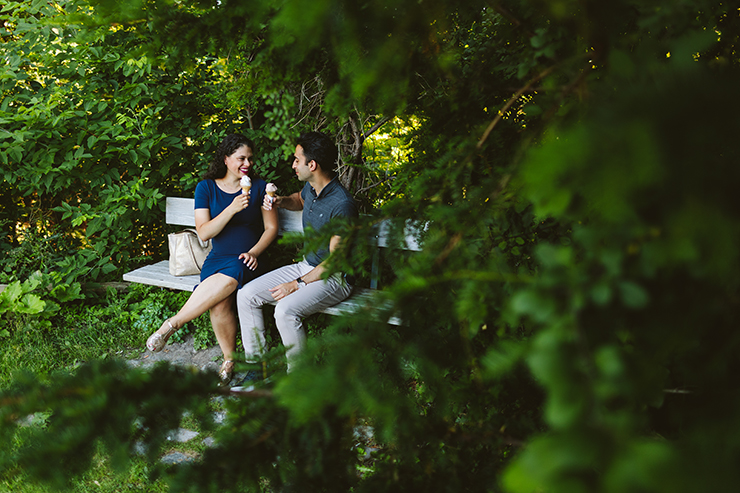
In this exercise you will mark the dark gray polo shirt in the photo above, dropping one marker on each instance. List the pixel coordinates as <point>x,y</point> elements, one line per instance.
<point>334,201</point>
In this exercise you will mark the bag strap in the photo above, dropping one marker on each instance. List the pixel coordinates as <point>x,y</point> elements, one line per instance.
<point>192,253</point>
<point>203,244</point>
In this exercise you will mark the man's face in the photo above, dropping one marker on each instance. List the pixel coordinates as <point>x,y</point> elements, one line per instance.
<point>301,167</point>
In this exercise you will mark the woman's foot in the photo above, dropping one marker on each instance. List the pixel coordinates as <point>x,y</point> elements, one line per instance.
<point>157,341</point>
<point>226,371</point>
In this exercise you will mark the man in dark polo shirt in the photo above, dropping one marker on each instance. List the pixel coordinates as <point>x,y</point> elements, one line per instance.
<point>298,288</point>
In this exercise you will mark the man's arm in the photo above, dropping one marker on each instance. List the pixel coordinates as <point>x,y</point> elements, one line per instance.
<point>282,290</point>
<point>292,202</point>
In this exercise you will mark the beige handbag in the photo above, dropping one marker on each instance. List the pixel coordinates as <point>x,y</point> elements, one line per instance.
<point>187,252</point>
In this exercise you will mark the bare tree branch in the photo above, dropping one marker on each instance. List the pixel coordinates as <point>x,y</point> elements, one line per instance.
<point>511,102</point>
<point>375,127</point>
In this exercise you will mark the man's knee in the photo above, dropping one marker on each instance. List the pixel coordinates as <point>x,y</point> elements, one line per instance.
<point>286,311</point>
<point>247,297</point>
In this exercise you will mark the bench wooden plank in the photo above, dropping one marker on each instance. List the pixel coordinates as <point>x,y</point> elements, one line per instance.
<point>411,232</point>
<point>360,298</point>
<point>159,275</point>
<point>180,211</point>
<point>290,221</point>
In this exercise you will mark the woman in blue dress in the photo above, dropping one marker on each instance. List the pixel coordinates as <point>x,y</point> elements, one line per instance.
<point>240,230</point>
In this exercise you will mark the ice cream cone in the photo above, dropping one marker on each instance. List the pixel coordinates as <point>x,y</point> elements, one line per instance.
<point>246,184</point>
<point>271,191</point>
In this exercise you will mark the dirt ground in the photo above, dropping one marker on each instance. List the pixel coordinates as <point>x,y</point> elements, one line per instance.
<point>181,354</point>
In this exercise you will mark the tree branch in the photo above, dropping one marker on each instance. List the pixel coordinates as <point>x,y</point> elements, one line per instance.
<point>511,102</point>
<point>375,127</point>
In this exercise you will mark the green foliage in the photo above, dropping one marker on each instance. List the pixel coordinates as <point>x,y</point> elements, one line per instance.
<point>93,137</point>
<point>607,352</point>
<point>67,334</point>
<point>18,298</point>
<point>157,305</point>
<point>34,298</point>
<point>570,322</point>
<point>110,404</point>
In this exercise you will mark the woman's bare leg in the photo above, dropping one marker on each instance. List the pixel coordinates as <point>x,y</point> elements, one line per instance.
<point>223,320</point>
<point>209,293</point>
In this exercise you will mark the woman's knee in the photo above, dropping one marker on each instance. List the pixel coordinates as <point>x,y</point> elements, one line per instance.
<point>223,307</point>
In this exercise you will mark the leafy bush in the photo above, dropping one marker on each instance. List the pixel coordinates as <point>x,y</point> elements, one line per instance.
<point>571,320</point>
<point>157,305</point>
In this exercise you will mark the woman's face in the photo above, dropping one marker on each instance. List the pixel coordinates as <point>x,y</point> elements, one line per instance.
<point>239,163</point>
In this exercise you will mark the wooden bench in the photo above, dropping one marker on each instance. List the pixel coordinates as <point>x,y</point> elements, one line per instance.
<point>180,212</point>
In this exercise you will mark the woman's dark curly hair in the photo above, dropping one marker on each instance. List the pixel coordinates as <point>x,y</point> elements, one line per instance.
<point>227,147</point>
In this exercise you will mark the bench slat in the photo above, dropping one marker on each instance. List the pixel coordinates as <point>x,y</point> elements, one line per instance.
<point>290,221</point>
<point>359,299</point>
<point>180,211</point>
<point>159,275</point>
<point>411,232</point>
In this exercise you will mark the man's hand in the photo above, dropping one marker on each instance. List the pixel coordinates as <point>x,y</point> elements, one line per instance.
<point>282,290</point>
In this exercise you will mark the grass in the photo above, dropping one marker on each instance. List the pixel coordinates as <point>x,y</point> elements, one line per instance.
<point>69,338</point>
<point>99,479</point>
<point>115,325</point>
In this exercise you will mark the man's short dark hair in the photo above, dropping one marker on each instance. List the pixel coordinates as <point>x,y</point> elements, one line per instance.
<point>319,147</point>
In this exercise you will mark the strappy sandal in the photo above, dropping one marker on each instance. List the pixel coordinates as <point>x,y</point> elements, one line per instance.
<point>226,371</point>
<point>157,341</point>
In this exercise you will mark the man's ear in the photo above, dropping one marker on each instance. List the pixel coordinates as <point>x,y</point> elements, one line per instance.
<point>313,165</point>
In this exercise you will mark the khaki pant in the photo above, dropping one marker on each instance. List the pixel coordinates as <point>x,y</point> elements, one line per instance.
<point>289,311</point>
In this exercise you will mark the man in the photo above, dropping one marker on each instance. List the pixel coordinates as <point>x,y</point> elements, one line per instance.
<point>298,288</point>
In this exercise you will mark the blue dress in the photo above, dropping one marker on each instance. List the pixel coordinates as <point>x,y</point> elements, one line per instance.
<point>238,236</point>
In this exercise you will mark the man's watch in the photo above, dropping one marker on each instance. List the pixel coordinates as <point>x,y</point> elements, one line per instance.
<point>300,282</point>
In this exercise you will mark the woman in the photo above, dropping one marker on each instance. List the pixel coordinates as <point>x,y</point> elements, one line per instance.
<point>232,219</point>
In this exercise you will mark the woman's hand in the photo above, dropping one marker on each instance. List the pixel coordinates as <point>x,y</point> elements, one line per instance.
<point>240,202</point>
<point>268,203</point>
<point>249,259</point>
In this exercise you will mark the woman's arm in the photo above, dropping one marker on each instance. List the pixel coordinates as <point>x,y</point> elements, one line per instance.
<point>208,227</point>
<point>270,221</point>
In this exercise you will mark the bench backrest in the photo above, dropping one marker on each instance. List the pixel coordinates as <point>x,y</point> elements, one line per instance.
<point>180,212</point>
